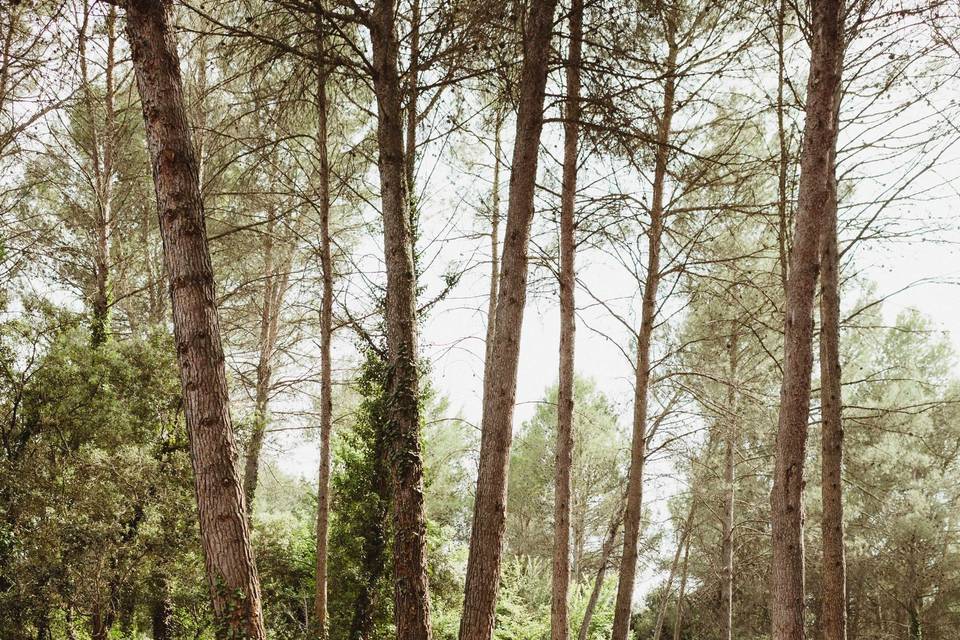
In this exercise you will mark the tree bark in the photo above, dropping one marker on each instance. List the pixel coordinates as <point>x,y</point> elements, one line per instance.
<point>559,625</point>
<point>816,169</point>
<point>500,385</point>
<point>834,599</point>
<point>411,587</point>
<point>231,571</point>
<point>326,383</point>
<point>631,530</point>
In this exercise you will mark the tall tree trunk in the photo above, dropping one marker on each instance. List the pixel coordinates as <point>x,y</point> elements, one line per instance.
<point>816,169</point>
<point>559,626</point>
<point>326,381</point>
<point>631,529</point>
<point>231,571</point>
<point>729,490</point>
<point>251,468</point>
<point>783,230</point>
<point>101,155</point>
<point>494,242</point>
<point>678,618</point>
<point>605,552</point>
<point>500,381</point>
<point>834,600</point>
<point>411,587</point>
<point>276,281</point>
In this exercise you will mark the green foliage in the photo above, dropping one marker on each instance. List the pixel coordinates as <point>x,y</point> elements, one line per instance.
<point>94,473</point>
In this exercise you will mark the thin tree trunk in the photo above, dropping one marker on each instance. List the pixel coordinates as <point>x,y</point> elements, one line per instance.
<point>816,169</point>
<point>559,625</point>
<point>681,544</point>
<point>494,242</point>
<point>729,491</point>
<point>500,383</point>
<point>834,597</point>
<point>326,384</point>
<point>268,318</point>
<point>605,551</point>
<point>412,591</point>
<point>631,530</point>
<point>101,154</point>
<point>784,159</point>
<point>231,571</point>
<point>678,621</point>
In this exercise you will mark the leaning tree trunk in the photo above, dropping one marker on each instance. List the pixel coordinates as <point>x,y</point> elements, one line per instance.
<point>678,617</point>
<point>231,571</point>
<point>326,383</point>
<point>500,379</point>
<point>559,626</point>
<point>834,607</point>
<point>815,191</point>
<point>631,528</point>
<point>605,553</point>
<point>411,585</point>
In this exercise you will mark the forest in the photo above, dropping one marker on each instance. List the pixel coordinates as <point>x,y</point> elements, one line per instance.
<point>501,320</point>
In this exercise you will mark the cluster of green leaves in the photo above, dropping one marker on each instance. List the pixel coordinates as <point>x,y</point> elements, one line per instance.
<point>94,480</point>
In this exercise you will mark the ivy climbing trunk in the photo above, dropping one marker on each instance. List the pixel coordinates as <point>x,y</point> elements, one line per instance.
<point>559,625</point>
<point>500,379</point>
<point>411,586</point>
<point>230,568</point>
<point>815,192</point>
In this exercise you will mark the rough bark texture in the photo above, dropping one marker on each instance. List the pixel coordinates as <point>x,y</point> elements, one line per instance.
<point>500,385</point>
<point>326,379</point>
<point>816,169</point>
<point>631,529</point>
<point>559,624</point>
<point>834,600</point>
<point>230,568</point>
<point>412,598</point>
